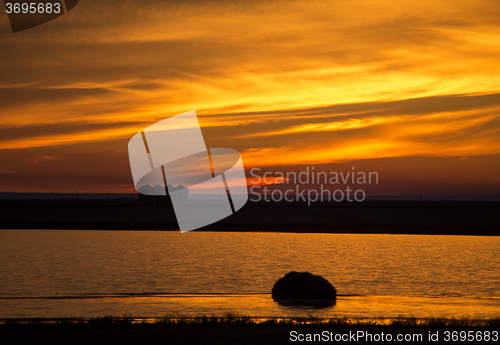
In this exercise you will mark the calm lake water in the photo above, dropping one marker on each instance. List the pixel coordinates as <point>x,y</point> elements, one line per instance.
<point>56,273</point>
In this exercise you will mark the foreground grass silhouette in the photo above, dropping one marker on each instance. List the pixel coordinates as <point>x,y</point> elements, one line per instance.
<point>228,329</point>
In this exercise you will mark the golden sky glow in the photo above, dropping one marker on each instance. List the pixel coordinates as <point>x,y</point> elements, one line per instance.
<point>287,83</point>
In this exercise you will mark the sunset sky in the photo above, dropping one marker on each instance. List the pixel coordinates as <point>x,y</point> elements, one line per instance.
<point>410,90</point>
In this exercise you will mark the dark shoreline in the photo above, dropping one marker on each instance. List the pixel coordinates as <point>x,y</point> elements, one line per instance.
<point>370,217</point>
<point>233,329</point>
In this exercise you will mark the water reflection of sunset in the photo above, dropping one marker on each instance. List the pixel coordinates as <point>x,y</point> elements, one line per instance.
<point>158,273</point>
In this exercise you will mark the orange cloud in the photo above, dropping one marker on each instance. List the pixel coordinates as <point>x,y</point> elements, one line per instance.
<point>284,82</point>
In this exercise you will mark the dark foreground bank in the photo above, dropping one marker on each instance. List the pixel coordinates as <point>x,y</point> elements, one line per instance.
<point>388,217</point>
<point>246,330</point>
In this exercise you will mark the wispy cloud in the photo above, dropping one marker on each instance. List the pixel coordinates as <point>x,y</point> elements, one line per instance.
<point>284,82</point>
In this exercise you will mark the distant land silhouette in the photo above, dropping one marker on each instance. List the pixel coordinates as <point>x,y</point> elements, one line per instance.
<point>98,196</point>
<point>125,212</point>
<point>161,195</point>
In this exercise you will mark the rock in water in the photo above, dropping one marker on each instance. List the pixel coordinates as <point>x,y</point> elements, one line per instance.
<point>304,288</point>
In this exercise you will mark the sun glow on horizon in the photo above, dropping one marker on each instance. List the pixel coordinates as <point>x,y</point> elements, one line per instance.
<point>284,83</point>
